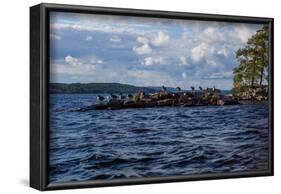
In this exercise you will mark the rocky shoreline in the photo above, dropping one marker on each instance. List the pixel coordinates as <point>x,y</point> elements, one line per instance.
<point>163,98</point>
<point>255,94</point>
<point>201,97</point>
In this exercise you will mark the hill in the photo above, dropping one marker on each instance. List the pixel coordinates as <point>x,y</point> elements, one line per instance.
<point>97,88</point>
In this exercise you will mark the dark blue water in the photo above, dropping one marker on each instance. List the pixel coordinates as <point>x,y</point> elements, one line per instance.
<point>153,142</point>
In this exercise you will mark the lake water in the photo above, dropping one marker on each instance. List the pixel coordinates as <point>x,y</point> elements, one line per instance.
<point>153,142</point>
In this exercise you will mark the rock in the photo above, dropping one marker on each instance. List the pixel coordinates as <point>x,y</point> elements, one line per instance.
<point>220,102</point>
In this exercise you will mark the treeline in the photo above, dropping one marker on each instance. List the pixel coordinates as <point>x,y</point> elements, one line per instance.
<point>96,88</point>
<point>253,58</point>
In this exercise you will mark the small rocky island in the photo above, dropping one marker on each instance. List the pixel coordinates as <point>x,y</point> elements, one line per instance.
<point>164,98</point>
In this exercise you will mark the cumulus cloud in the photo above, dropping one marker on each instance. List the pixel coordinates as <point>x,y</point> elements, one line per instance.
<point>72,60</point>
<point>75,66</point>
<point>212,35</point>
<point>142,50</point>
<point>160,39</point>
<point>243,32</point>
<point>152,60</point>
<point>144,47</point>
<point>142,39</point>
<point>183,60</point>
<point>210,31</point>
<point>169,52</point>
<point>201,51</point>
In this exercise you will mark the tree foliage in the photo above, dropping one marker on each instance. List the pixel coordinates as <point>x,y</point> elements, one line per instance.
<point>253,59</point>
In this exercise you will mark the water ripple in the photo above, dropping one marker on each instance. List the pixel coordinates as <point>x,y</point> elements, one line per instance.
<point>149,142</point>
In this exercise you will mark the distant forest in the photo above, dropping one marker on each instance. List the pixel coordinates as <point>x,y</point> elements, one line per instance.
<point>98,88</point>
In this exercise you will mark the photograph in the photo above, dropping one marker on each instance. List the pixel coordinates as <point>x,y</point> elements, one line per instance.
<point>132,97</point>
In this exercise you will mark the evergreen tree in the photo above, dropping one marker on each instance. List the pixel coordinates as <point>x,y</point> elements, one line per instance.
<point>253,59</point>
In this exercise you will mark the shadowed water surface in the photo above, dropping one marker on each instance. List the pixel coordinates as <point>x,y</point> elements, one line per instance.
<point>109,144</point>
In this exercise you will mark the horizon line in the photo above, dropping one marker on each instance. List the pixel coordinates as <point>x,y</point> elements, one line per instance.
<point>174,87</point>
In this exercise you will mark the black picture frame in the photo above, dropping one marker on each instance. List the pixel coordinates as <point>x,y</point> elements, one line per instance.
<point>39,79</point>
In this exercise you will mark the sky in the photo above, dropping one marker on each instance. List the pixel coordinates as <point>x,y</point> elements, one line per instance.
<point>88,48</point>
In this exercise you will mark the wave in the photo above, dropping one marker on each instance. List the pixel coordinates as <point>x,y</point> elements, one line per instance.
<point>151,142</point>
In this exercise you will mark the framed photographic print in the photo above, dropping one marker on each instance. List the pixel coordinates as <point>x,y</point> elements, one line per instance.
<point>125,96</point>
